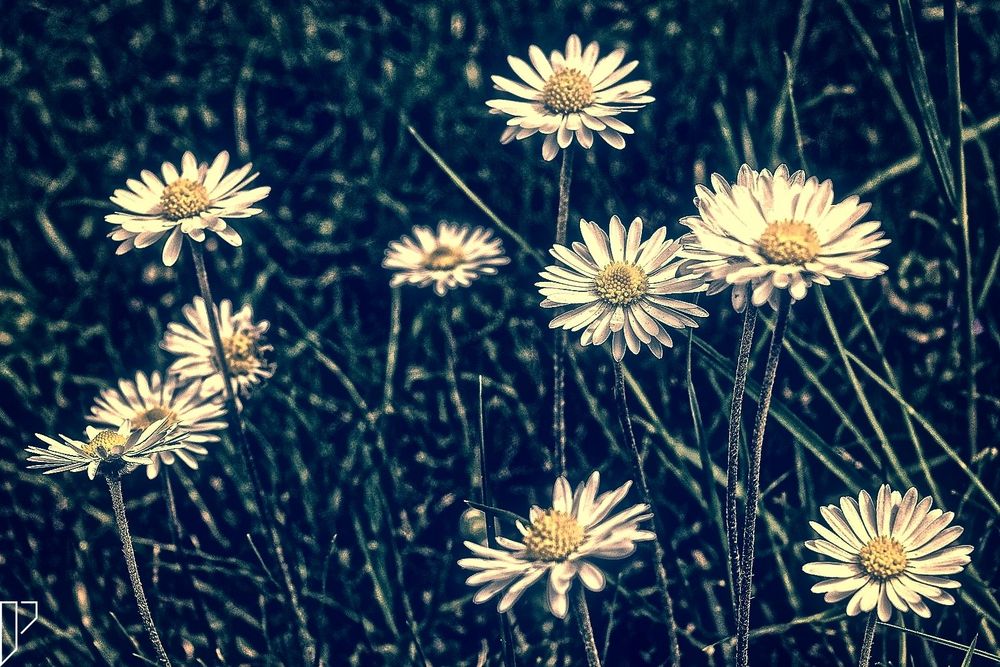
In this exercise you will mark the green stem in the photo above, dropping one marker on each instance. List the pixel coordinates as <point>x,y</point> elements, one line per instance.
<point>582,615</point>
<point>869,639</point>
<point>558,358</point>
<point>753,483</point>
<point>118,503</point>
<point>625,420</point>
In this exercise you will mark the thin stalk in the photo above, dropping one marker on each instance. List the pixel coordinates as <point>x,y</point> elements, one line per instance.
<point>625,420</point>
<point>582,615</point>
<point>733,452</point>
<point>558,357</point>
<point>118,503</point>
<point>753,482</point>
<point>237,433</point>
<point>869,639</point>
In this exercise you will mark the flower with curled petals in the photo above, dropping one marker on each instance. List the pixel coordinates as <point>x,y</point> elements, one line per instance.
<point>559,543</point>
<point>189,201</point>
<point>570,95</point>
<point>770,232</point>
<point>621,287</point>
<point>893,552</point>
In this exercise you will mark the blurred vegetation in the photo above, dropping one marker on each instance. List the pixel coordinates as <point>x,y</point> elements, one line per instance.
<point>368,462</point>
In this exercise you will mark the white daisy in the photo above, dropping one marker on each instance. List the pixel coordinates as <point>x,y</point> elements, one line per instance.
<point>197,198</point>
<point>889,553</point>
<point>571,94</point>
<point>456,255</point>
<point>242,344</point>
<point>109,451</point>
<point>146,400</point>
<point>559,542</point>
<point>779,231</point>
<point>621,287</point>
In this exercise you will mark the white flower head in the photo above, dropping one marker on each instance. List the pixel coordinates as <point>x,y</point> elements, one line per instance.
<point>571,94</point>
<point>145,400</point>
<point>189,201</point>
<point>621,287</point>
<point>891,552</point>
<point>242,343</point>
<point>115,451</point>
<point>560,542</point>
<point>781,231</point>
<point>456,255</point>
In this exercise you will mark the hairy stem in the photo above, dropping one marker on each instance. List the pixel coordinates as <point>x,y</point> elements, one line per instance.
<point>753,483</point>
<point>558,359</point>
<point>582,615</point>
<point>866,644</point>
<point>118,503</point>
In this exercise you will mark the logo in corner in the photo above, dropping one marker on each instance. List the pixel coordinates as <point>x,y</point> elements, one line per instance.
<point>11,628</point>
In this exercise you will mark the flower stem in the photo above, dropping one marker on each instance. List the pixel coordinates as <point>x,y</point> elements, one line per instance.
<point>745,588</point>
<point>866,644</point>
<point>625,420</point>
<point>733,451</point>
<point>118,503</point>
<point>582,615</point>
<point>237,433</point>
<point>558,359</point>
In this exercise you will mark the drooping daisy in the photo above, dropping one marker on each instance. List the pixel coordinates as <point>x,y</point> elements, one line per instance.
<point>146,400</point>
<point>559,542</point>
<point>571,94</point>
<point>109,451</point>
<point>456,255</point>
<point>197,198</point>
<point>779,231</point>
<point>621,287</point>
<point>242,344</point>
<point>893,552</point>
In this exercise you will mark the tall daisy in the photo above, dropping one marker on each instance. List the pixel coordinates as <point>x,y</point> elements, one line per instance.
<point>112,452</point>
<point>147,399</point>
<point>621,287</point>
<point>189,201</point>
<point>559,543</point>
<point>242,345</point>
<point>571,94</point>
<point>781,231</point>
<point>893,552</point>
<point>455,256</point>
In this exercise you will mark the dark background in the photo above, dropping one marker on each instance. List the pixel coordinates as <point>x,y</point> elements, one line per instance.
<point>318,96</point>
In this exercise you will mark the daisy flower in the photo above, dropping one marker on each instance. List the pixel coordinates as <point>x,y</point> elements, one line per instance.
<point>196,198</point>
<point>559,542</point>
<point>146,400</point>
<point>456,255</point>
<point>108,451</point>
<point>780,231</point>
<point>893,552</point>
<point>567,95</point>
<point>621,287</point>
<point>242,345</point>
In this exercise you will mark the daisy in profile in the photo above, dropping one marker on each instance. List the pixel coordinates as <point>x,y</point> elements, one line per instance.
<point>621,287</point>
<point>570,95</point>
<point>146,400</point>
<point>242,344</point>
<point>893,552</point>
<point>559,543</point>
<point>189,201</point>
<point>114,452</point>
<point>781,231</point>
<point>456,255</point>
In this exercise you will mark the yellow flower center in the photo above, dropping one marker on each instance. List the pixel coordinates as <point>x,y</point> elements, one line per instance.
<point>554,535</point>
<point>183,199</point>
<point>241,352</point>
<point>789,242</point>
<point>621,284</point>
<point>567,91</point>
<point>104,443</point>
<point>144,419</point>
<point>883,557</point>
<point>444,258</point>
